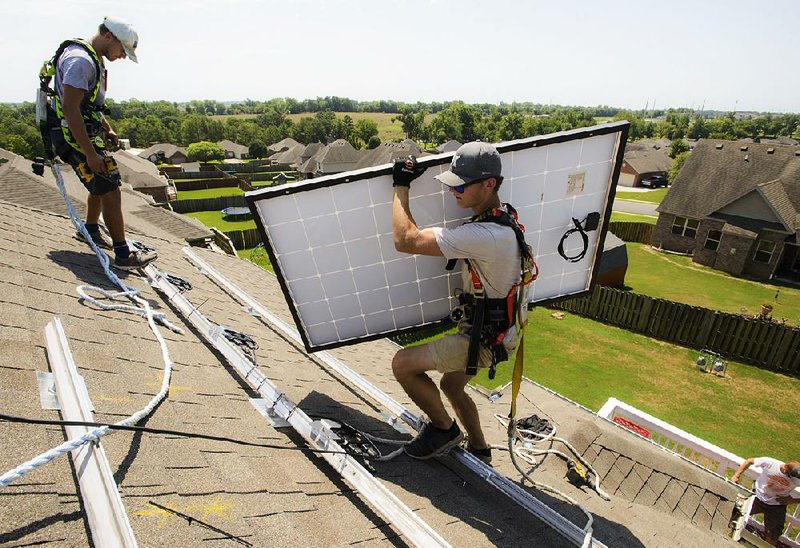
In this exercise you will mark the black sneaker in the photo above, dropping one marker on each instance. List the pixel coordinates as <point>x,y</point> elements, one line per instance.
<point>432,442</point>
<point>99,238</point>
<point>484,455</point>
<point>136,260</point>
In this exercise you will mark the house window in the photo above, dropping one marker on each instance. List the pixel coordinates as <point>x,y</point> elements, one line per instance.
<point>764,251</point>
<point>712,240</point>
<point>685,227</point>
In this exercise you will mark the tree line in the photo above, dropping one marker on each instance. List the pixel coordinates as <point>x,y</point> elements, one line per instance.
<point>148,122</point>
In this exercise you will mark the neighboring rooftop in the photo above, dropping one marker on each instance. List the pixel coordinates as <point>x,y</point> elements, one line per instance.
<point>719,172</point>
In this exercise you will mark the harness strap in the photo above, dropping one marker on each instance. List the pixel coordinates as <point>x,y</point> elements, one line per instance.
<point>90,112</point>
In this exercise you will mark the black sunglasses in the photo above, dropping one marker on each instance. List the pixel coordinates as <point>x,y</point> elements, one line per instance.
<point>460,188</point>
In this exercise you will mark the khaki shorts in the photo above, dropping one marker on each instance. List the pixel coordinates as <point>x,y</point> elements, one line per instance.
<point>450,353</point>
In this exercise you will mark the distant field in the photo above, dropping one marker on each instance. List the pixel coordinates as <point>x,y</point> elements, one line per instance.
<point>387,130</point>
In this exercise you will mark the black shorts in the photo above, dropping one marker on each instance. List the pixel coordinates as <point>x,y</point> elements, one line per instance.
<point>97,185</point>
<point>774,517</point>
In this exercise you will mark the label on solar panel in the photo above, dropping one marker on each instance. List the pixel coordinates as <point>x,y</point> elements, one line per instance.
<point>330,239</point>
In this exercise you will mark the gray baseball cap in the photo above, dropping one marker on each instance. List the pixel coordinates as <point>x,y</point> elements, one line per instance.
<point>472,162</point>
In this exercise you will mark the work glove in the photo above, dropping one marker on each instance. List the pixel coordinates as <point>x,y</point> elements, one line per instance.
<point>402,174</point>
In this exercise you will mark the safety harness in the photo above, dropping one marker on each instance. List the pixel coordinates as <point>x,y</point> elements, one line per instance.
<point>492,318</point>
<point>50,118</point>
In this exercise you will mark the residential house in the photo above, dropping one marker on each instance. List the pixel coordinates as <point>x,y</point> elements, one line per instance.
<point>144,177</point>
<point>289,156</point>
<point>282,145</point>
<point>450,146</point>
<point>386,153</point>
<point>643,159</point>
<point>165,153</point>
<point>234,150</point>
<point>736,207</point>
<point>337,157</point>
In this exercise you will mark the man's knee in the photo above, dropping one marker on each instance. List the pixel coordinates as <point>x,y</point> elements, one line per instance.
<point>452,384</point>
<point>401,364</point>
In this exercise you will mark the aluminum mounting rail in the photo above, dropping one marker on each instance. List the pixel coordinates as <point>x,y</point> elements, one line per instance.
<point>315,432</point>
<point>105,512</point>
<point>512,490</point>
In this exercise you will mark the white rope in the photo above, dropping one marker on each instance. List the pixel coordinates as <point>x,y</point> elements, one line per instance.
<point>144,310</point>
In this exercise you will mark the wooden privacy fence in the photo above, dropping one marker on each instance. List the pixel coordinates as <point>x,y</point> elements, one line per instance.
<point>208,204</point>
<point>203,184</point>
<point>768,345</point>
<point>632,232</point>
<point>244,239</point>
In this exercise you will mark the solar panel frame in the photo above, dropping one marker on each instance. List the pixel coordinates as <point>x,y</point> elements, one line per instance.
<point>283,267</point>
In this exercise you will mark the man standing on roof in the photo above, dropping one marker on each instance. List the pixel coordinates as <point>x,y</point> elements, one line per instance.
<point>774,486</point>
<point>492,252</point>
<point>77,131</point>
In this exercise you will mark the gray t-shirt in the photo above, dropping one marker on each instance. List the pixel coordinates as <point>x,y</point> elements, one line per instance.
<point>492,251</point>
<point>76,68</point>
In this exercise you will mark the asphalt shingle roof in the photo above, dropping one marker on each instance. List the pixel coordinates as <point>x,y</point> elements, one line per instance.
<point>274,495</point>
<point>718,172</point>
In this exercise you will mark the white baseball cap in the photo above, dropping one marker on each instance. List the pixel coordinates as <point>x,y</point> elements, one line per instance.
<point>123,32</point>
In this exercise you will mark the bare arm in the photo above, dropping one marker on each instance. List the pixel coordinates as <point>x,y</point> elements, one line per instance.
<point>408,238</point>
<point>71,105</point>
<point>745,465</point>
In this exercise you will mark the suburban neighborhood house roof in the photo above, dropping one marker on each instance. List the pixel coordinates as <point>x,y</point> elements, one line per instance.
<point>289,155</point>
<point>273,491</point>
<point>338,152</point>
<point>646,159</point>
<point>235,148</point>
<point>741,180</point>
<point>138,172</point>
<point>283,144</point>
<point>386,153</point>
<point>169,150</point>
<point>450,146</point>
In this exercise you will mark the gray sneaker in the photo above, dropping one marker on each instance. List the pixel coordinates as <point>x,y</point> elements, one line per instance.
<point>432,442</point>
<point>99,238</point>
<point>484,455</point>
<point>136,260</point>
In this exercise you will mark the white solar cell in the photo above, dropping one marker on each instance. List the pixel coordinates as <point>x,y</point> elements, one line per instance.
<point>330,239</point>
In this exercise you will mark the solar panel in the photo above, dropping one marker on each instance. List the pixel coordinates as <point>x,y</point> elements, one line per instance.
<point>331,245</point>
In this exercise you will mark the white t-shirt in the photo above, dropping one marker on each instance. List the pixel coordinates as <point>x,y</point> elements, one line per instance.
<point>771,483</point>
<point>493,252</point>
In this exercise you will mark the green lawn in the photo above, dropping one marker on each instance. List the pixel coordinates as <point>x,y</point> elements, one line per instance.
<point>214,218</point>
<point>677,278</point>
<point>651,196</point>
<point>632,217</point>
<point>256,255</point>
<point>209,193</point>
<point>587,361</point>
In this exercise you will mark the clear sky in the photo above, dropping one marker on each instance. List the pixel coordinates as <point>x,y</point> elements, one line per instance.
<point>724,54</point>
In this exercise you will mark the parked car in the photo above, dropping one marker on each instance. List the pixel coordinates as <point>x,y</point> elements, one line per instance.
<point>654,181</point>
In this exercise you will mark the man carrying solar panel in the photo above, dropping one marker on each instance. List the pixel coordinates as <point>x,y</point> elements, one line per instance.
<point>491,274</point>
